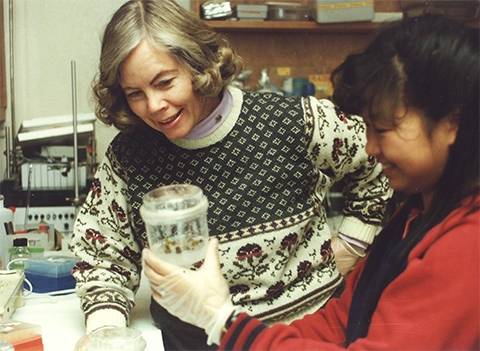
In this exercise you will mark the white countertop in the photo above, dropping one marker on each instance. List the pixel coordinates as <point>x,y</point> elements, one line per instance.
<point>62,320</point>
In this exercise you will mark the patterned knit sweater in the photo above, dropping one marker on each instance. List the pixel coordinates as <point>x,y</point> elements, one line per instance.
<point>265,172</point>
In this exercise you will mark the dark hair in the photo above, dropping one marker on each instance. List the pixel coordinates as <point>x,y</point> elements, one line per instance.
<point>429,63</point>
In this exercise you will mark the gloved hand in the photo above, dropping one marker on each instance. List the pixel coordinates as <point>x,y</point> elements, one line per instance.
<point>201,298</point>
<point>346,255</point>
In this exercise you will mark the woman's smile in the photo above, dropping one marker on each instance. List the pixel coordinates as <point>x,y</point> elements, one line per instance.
<point>172,121</point>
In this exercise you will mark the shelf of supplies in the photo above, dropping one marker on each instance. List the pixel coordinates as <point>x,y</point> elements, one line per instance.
<point>292,26</point>
<point>229,26</point>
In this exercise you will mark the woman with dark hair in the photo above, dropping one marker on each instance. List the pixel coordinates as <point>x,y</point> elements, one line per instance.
<point>264,161</point>
<point>417,88</point>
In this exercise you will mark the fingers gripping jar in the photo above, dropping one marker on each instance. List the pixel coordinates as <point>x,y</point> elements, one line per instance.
<point>175,219</point>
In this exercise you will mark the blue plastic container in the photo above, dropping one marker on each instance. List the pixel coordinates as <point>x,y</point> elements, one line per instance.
<point>53,273</point>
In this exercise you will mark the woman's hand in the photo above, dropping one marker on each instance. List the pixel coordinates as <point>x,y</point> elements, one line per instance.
<point>201,298</point>
<point>346,255</point>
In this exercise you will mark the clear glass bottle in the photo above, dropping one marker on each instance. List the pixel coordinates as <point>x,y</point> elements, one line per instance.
<point>111,338</point>
<point>20,254</point>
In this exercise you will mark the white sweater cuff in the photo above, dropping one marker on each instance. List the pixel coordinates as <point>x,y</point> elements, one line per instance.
<point>356,229</point>
<point>105,317</point>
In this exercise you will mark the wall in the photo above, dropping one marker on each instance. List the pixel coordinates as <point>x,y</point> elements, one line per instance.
<point>48,35</point>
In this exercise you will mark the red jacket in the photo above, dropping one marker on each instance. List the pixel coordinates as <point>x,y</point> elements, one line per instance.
<point>433,305</point>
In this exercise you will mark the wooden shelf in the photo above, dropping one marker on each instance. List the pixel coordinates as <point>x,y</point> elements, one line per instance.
<point>299,26</point>
<point>292,26</point>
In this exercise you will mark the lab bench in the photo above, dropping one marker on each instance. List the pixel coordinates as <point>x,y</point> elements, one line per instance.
<point>62,320</point>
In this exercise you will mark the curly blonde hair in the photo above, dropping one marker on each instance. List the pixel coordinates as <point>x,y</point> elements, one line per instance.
<point>205,54</point>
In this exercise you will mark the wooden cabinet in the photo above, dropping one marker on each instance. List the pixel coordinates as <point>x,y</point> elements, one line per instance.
<point>303,48</point>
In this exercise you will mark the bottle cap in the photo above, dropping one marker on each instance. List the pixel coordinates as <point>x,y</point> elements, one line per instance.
<point>20,242</point>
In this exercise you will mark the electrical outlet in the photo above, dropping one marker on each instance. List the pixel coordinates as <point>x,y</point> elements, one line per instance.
<point>62,217</point>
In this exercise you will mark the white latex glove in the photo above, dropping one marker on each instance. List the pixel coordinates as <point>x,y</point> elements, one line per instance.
<point>346,255</point>
<point>201,298</point>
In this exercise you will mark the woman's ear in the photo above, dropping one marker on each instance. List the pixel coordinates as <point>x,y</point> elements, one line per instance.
<point>450,125</point>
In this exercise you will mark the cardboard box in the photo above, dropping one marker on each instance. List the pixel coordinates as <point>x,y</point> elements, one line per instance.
<point>335,11</point>
<point>251,12</point>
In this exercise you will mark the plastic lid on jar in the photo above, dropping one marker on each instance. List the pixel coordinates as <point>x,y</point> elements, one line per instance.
<point>173,203</point>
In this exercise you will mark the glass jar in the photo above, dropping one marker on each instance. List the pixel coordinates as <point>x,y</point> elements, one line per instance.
<point>175,219</point>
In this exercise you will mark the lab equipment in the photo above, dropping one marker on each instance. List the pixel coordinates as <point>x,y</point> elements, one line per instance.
<point>53,273</point>
<point>22,336</point>
<point>241,81</point>
<point>37,242</point>
<point>175,218</point>
<point>6,228</point>
<point>11,287</point>
<point>54,130</point>
<point>112,339</point>
<point>308,89</point>
<point>265,85</point>
<point>287,86</point>
<point>51,176</point>
<point>58,218</point>
<point>298,84</point>
<point>20,254</point>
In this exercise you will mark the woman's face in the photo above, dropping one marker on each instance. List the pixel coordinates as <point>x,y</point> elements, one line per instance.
<point>412,159</point>
<point>160,91</point>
